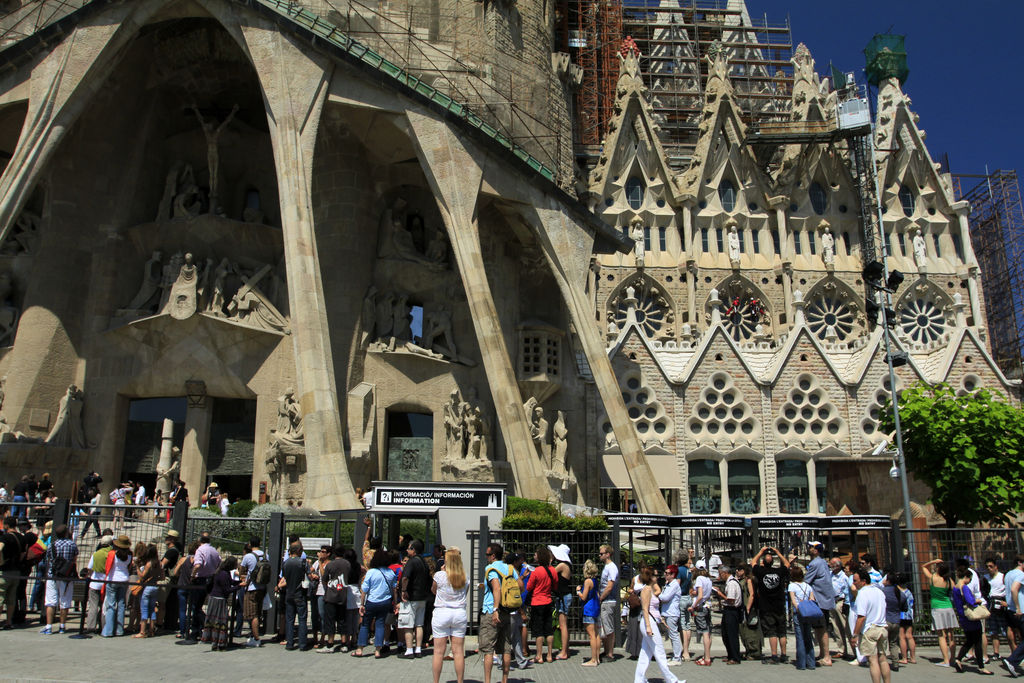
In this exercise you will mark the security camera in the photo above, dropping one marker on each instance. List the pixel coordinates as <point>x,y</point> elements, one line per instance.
<point>880,448</point>
<point>894,472</point>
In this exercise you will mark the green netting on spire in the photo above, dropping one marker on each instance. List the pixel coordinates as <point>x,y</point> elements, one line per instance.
<point>886,58</point>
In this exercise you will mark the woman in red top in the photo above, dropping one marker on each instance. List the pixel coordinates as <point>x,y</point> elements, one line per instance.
<point>540,587</point>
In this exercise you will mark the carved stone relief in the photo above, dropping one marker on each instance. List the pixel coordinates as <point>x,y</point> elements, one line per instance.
<point>286,451</point>
<point>240,293</point>
<point>467,433</point>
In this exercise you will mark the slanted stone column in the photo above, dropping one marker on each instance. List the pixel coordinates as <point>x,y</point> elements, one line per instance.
<point>295,86</point>
<point>198,420</point>
<point>567,246</point>
<point>455,177</point>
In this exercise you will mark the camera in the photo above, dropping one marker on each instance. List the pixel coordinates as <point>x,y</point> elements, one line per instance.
<point>894,472</point>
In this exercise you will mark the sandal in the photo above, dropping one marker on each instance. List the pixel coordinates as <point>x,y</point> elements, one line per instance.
<point>589,662</point>
<point>538,661</point>
<point>703,662</point>
<point>562,657</point>
<point>986,672</point>
<point>958,666</point>
<point>139,635</point>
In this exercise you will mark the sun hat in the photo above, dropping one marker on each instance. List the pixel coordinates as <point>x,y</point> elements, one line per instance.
<point>172,534</point>
<point>560,553</point>
<point>123,541</point>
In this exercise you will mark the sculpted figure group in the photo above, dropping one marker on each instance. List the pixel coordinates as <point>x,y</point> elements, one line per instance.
<point>466,429</point>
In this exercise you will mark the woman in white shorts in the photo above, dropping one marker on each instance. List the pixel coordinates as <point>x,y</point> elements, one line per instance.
<point>449,618</point>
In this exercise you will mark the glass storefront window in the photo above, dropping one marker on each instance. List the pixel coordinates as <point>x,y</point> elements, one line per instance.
<point>794,493</point>
<point>744,487</point>
<point>705,487</point>
<point>821,482</point>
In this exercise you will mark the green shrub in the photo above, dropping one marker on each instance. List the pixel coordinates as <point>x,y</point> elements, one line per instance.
<point>529,506</point>
<point>241,508</point>
<point>527,520</point>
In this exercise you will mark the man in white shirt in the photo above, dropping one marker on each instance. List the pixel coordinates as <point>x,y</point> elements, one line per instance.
<point>870,634</point>
<point>140,495</point>
<point>996,604</point>
<point>732,607</point>
<point>607,591</point>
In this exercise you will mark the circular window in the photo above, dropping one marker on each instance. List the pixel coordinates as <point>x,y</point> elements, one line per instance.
<point>719,383</point>
<point>711,397</point>
<point>807,413</point>
<point>828,317</point>
<point>814,399</point>
<point>783,428</point>
<point>660,427</point>
<point>651,412</point>
<point>712,428</point>
<point>799,428</point>
<point>833,427</point>
<point>642,427</point>
<point>798,399</point>
<point>922,321</point>
<point>748,427</point>
<point>737,412</point>
<point>634,412</point>
<point>816,428</point>
<point>695,427</point>
<point>727,399</point>
<point>730,428</point>
<point>703,413</point>
<point>805,384</point>
<point>823,413</point>
<point>641,397</point>
<point>633,383</point>
<point>790,414</point>
<point>720,413</point>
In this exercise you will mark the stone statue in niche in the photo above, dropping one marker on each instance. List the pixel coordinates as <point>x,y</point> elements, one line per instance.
<point>369,317</point>
<point>438,323</point>
<point>152,275</point>
<point>67,430</point>
<point>9,313</point>
<point>212,131</point>
<point>181,199</point>
<point>286,450</point>
<point>215,300</point>
<point>538,429</point>
<point>389,315</point>
<point>405,236</point>
<point>182,300</point>
<point>734,243</point>
<point>455,436</point>
<point>250,306</point>
<point>477,430</point>
<point>559,433</point>
<point>171,271</point>
<point>23,236</point>
<point>828,245</point>
<point>920,251</point>
<point>636,233</point>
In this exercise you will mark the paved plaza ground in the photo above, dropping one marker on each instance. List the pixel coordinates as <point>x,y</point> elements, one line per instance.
<point>28,656</point>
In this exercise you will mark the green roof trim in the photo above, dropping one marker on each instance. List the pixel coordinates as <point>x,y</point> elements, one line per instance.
<point>333,35</point>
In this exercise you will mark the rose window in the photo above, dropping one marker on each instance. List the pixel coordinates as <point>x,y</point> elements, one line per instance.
<point>922,321</point>
<point>742,316</point>
<point>830,318</point>
<point>651,311</point>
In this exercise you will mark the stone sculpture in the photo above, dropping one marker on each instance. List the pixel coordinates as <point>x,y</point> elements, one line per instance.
<point>171,271</point>
<point>636,232</point>
<point>734,243</point>
<point>182,300</point>
<point>287,447</point>
<point>477,430</point>
<point>438,323</point>
<point>828,246</point>
<point>67,430</point>
<point>404,236</point>
<point>23,236</point>
<point>920,251</point>
<point>402,330</point>
<point>215,299</point>
<point>212,132</point>
<point>538,429</point>
<point>559,433</point>
<point>466,429</point>
<point>249,305</point>
<point>151,277</point>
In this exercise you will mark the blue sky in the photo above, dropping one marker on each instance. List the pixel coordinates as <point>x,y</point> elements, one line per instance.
<point>966,67</point>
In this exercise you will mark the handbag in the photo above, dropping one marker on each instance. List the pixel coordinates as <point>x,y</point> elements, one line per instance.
<point>976,613</point>
<point>633,600</point>
<point>808,609</point>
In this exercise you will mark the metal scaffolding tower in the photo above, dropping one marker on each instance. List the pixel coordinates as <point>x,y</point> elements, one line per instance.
<point>997,235</point>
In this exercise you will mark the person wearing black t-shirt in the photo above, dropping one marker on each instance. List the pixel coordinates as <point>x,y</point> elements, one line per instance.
<point>10,571</point>
<point>770,583</point>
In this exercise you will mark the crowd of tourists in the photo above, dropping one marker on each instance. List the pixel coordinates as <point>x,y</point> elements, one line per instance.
<point>337,599</point>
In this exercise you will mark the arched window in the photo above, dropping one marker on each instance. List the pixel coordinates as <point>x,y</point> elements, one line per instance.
<point>907,200</point>
<point>846,242</point>
<point>819,200</point>
<point>744,487</point>
<point>727,194</point>
<point>635,192</point>
<point>755,238</point>
<point>705,247</point>
<point>705,487</point>
<point>811,242</point>
<point>938,249</point>
<point>776,242</point>
<point>902,238</point>
<point>791,481</point>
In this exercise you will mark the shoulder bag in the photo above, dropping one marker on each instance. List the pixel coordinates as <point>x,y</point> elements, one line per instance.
<point>808,609</point>
<point>975,613</point>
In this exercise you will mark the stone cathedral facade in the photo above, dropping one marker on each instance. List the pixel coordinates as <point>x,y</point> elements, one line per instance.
<point>225,228</point>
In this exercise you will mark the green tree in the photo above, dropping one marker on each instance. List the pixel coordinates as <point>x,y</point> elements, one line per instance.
<point>966,448</point>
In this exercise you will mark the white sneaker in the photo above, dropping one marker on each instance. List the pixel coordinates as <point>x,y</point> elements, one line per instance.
<point>46,630</point>
<point>945,664</point>
<point>674,662</point>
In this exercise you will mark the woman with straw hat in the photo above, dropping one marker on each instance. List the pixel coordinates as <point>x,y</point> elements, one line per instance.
<point>118,571</point>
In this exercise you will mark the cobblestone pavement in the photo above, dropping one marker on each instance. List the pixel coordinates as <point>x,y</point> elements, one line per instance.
<point>28,656</point>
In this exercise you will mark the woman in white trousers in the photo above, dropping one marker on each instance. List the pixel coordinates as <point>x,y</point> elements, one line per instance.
<point>651,645</point>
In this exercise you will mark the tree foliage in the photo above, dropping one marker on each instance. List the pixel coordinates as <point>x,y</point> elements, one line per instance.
<point>966,448</point>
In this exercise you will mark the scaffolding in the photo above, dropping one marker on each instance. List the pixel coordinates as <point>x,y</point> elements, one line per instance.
<point>32,15</point>
<point>997,236</point>
<point>674,36</point>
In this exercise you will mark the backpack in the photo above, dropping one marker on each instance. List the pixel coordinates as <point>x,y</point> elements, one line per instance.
<point>60,567</point>
<point>511,593</point>
<point>261,573</point>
